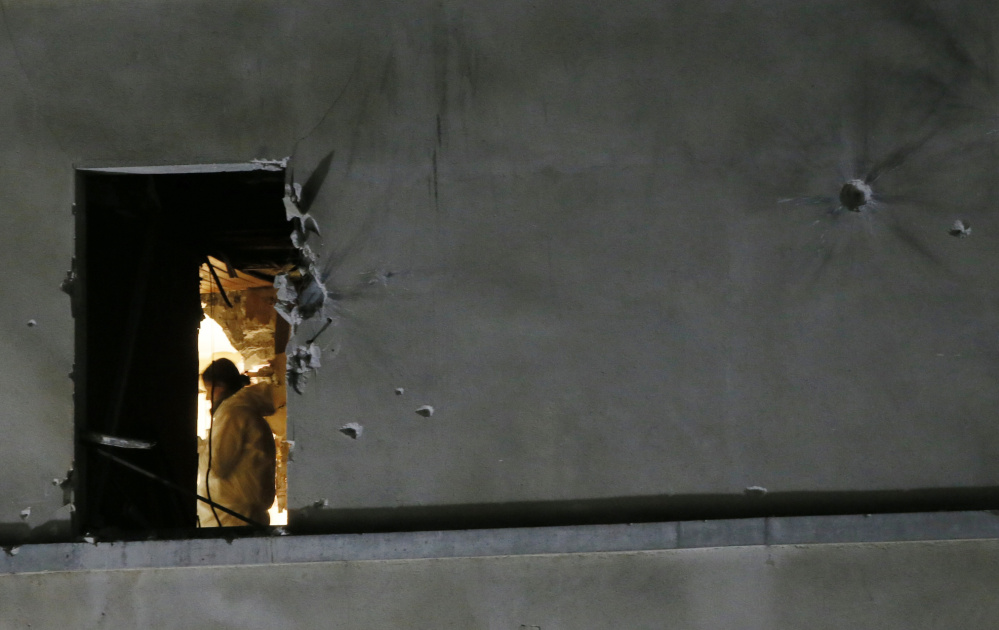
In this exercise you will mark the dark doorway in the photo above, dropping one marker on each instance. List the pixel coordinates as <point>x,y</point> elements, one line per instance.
<point>142,235</point>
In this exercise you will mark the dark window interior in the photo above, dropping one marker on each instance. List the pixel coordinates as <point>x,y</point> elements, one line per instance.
<point>140,241</point>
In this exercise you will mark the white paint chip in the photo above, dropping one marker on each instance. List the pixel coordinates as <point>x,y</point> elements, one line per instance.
<point>426,411</point>
<point>271,164</point>
<point>756,490</point>
<point>321,503</point>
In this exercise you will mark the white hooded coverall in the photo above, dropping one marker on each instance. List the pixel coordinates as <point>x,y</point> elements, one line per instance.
<point>242,460</point>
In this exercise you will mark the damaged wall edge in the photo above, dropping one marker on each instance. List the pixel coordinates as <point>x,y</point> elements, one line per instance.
<point>301,293</point>
<point>186,169</point>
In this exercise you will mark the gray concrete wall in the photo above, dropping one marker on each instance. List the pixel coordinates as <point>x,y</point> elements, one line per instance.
<point>593,281</point>
<point>910,586</point>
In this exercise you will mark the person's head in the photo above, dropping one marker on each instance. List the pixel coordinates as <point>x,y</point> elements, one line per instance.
<point>222,380</point>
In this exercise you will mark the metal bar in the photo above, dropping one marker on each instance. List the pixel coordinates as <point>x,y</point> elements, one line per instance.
<point>218,282</point>
<point>329,320</point>
<point>228,266</point>
<point>117,442</point>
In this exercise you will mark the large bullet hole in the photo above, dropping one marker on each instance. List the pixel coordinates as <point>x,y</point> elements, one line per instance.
<point>855,194</point>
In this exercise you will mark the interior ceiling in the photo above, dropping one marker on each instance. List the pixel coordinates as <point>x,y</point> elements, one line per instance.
<point>233,279</point>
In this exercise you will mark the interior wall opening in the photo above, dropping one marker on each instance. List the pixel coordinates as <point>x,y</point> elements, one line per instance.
<point>248,332</point>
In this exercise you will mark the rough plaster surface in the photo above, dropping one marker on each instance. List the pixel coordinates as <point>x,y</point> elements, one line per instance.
<point>597,290</point>
<point>908,586</point>
<point>559,227</point>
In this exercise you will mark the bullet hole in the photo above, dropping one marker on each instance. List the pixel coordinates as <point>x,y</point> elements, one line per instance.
<point>25,513</point>
<point>352,430</point>
<point>960,229</point>
<point>32,323</point>
<point>11,551</point>
<point>855,194</point>
<point>426,411</point>
<point>399,391</point>
<point>757,491</point>
<point>321,503</point>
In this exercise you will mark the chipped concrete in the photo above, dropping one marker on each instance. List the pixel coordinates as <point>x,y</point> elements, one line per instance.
<point>302,362</point>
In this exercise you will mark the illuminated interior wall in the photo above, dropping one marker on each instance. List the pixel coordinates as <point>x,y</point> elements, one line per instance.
<point>251,324</point>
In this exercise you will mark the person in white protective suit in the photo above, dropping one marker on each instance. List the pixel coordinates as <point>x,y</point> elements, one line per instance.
<point>236,464</point>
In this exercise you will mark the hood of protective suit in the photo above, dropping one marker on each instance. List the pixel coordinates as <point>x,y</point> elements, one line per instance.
<point>259,397</point>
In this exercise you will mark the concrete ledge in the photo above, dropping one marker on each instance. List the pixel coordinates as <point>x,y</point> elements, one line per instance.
<point>33,558</point>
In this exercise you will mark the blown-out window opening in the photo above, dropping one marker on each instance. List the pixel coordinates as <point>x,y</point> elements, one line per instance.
<point>176,269</point>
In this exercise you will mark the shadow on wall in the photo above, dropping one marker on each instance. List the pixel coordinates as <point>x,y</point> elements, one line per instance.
<point>49,531</point>
<point>755,502</point>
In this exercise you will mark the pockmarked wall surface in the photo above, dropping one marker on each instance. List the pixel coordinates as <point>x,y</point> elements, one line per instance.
<point>907,586</point>
<point>609,245</point>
